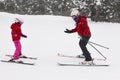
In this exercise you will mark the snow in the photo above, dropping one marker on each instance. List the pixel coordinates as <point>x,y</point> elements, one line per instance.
<point>46,38</point>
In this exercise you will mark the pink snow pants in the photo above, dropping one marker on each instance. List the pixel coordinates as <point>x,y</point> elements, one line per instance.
<point>17,50</point>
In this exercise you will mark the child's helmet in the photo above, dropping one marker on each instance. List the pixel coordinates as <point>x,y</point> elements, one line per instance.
<point>19,20</point>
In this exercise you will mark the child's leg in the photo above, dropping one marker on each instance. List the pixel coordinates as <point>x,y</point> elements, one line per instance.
<point>18,49</point>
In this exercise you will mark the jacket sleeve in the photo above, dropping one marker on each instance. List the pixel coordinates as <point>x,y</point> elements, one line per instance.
<point>74,30</point>
<point>18,32</point>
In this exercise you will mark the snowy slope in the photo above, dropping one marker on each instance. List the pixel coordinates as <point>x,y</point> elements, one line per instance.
<point>46,38</point>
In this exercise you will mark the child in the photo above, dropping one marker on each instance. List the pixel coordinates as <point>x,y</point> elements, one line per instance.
<point>16,33</point>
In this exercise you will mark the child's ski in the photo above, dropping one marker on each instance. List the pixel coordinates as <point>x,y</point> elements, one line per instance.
<point>17,62</point>
<point>25,57</point>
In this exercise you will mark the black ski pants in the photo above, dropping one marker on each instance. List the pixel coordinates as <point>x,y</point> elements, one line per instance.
<point>82,43</point>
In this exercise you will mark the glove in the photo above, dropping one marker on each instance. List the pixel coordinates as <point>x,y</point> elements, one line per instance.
<point>24,36</point>
<point>67,31</point>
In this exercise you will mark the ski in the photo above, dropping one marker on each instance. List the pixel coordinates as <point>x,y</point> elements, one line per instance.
<point>69,56</point>
<point>25,57</point>
<point>17,62</point>
<point>70,64</point>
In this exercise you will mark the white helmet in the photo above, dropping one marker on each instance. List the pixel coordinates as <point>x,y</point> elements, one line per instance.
<point>75,13</point>
<point>19,20</point>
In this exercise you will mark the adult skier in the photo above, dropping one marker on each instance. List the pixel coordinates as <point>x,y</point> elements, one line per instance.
<point>16,33</point>
<point>83,31</point>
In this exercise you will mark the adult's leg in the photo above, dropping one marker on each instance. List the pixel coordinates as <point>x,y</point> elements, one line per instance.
<point>83,42</point>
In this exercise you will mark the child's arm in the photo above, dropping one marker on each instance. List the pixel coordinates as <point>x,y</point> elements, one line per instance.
<point>25,36</point>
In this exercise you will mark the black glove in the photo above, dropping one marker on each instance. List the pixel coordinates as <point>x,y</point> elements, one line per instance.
<point>67,31</point>
<point>25,36</point>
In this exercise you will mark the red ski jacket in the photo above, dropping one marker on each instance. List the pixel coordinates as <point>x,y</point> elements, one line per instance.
<point>82,27</point>
<point>16,31</point>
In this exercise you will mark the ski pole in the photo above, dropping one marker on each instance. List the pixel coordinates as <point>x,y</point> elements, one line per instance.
<point>98,51</point>
<point>98,45</point>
